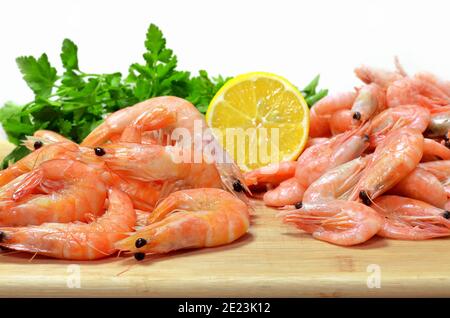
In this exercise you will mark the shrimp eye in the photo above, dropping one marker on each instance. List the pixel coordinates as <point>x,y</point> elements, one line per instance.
<point>139,256</point>
<point>366,138</point>
<point>365,198</point>
<point>446,215</point>
<point>37,144</point>
<point>298,205</point>
<point>140,242</point>
<point>99,151</point>
<point>357,115</point>
<point>2,236</point>
<point>237,186</point>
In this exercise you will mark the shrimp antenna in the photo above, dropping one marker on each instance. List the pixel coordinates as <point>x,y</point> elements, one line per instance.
<point>399,66</point>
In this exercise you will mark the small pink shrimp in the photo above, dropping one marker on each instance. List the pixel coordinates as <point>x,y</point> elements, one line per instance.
<point>433,150</point>
<point>322,111</point>
<point>338,222</point>
<point>441,170</point>
<point>57,191</point>
<point>434,80</point>
<point>371,100</point>
<point>76,241</point>
<point>393,159</point>
<point>422,185</point>
<point>408,116</point>
<point>272,174</point>
<point>342,121</point>
<point>409,219</point>
<point>380,77</point>
<point>190,219</point>
<point>314,161</point>
<point>336,183</point>
<point>417,92</point>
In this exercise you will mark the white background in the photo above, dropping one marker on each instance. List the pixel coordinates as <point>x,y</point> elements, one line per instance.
<point>296,39</point>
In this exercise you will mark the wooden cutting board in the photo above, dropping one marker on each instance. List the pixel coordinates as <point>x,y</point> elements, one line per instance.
<point>273,260</point>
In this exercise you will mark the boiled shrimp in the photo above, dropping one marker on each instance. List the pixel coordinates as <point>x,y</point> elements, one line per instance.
<point>76,241</point>
<point>396,157</point>
<point>406,116</point>
<point>422,185</point>
<point>433,150</point>
<point>371,100</point>
<point>342,121</point>
<point>65,150</point>
<point>409,219</point>
<point>415,91</point>
<point>378,76</point>
<point>441,170</point>
<point>434,80</point>
<point>56,191</point>
<point>170,115</point>
<point>44,137</point>
<point>338,222</point>
<point>314,161</point>
<point>190,219</point>
<point>272,174</point>
<point>322,111</point>
<point>150,163</point>
<point>336,183</point>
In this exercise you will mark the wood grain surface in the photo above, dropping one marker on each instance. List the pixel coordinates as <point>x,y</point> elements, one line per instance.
<point>273,260</point>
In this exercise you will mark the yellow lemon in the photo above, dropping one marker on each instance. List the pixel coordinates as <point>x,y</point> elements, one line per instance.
<point>260,118</point>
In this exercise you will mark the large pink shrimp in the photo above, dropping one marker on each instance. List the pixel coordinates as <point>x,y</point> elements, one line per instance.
<point>65,150</point>
<point>338,222</point>
<point>56,191</point>
<point>314,161</point>
<point>422,185</point>
<point>190,219</point>
<point>179,122</point>
<point>77,241</point>
<point>322,111</point>
<point>409,116</point>
<point>393,159</point>
<point>409,219</point>
<point>44,137</point>
<point>417,92</point>
<point>150,163</point>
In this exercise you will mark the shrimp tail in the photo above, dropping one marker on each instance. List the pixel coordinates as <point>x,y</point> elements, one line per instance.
<point>28,184</point>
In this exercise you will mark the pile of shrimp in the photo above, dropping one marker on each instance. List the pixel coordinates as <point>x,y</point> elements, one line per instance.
<point>377,163</point>
<point>121,189</point>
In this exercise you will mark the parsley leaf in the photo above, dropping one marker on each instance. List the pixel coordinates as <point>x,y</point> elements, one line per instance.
<point>69,55</point>
<point>38,73</point>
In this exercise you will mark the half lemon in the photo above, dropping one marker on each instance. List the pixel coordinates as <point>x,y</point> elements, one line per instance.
<point>259,118</point>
